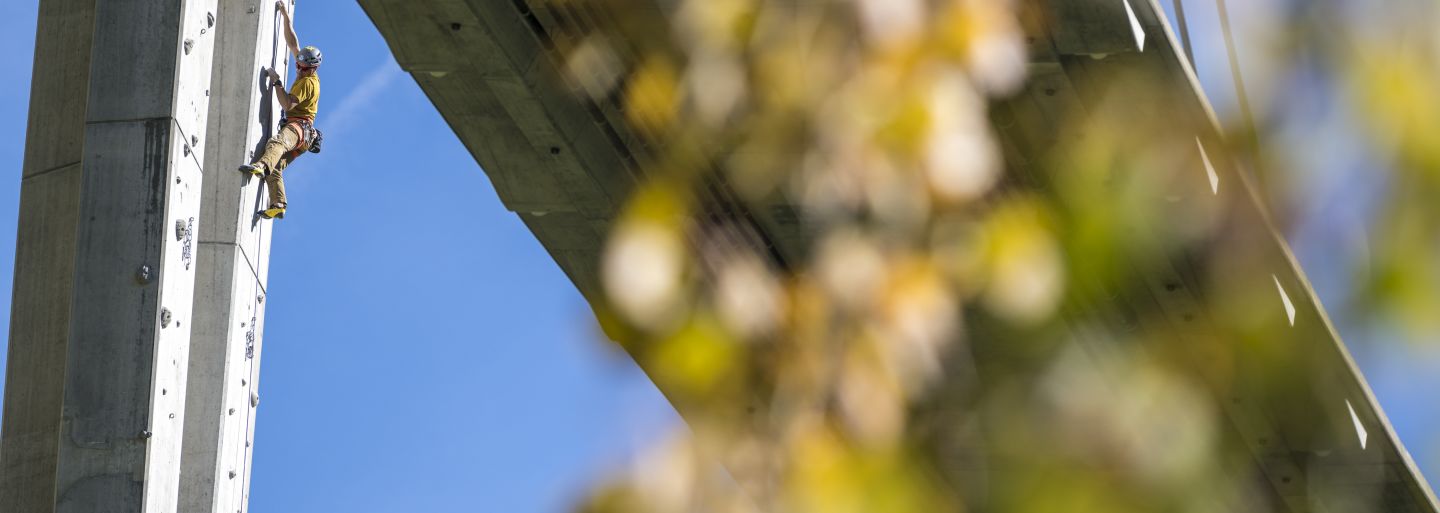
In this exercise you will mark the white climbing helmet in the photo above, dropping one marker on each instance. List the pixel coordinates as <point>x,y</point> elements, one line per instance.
<point>309,57</point>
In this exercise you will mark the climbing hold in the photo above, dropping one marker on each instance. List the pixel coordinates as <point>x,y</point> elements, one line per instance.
<point>186,250</point>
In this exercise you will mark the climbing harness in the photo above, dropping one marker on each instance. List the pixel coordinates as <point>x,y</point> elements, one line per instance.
<point>309,135</point>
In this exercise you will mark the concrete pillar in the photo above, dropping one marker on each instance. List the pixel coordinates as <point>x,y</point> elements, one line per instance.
<point>105,258</point>
<point>232,263</point>
<point>44,256</point>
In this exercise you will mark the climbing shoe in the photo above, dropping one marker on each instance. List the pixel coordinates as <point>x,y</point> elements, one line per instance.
<point>254,169</point>
<point>273,213</point>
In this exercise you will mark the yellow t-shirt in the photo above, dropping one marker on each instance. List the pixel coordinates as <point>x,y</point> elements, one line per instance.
<point>306,90</point>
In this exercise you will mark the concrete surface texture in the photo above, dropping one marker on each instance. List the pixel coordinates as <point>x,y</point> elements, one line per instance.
<point>232,262</point>
<point>138,198</point>
<point>130,253</point>
<point>44,260</point>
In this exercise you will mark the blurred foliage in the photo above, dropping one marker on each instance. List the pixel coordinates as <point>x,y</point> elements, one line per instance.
<point>973,317</point>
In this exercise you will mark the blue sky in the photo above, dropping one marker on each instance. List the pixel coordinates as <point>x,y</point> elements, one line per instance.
<point>427,361</point>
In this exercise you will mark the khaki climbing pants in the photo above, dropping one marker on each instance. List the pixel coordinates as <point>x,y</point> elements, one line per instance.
<point>280,151</point>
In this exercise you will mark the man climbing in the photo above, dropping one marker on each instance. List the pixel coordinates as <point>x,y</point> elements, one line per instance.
<point>297,129</point>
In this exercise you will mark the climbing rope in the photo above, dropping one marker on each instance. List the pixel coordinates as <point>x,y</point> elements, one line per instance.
<point>253,334</point>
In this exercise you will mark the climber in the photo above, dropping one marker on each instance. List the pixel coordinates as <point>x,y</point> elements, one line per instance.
<point>297,129</point>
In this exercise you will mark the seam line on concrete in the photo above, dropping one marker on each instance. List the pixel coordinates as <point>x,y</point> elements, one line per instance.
<point>130,120</point>
<point>184,138</point>
<point>194,152</point>
<point>51,170</point>
<point>253,272</point>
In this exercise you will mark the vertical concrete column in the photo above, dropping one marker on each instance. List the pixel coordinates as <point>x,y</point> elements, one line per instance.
<point>45,256</point>
<point>124,250</point>
<point>231,264</point>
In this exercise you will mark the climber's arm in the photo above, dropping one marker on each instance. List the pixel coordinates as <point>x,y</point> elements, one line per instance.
<point>290,39</point>
<point>286,100</point>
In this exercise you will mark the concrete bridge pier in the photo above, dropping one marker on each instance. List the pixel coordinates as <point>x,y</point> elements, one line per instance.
<point>232,263</point>
<point>128,253</point>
